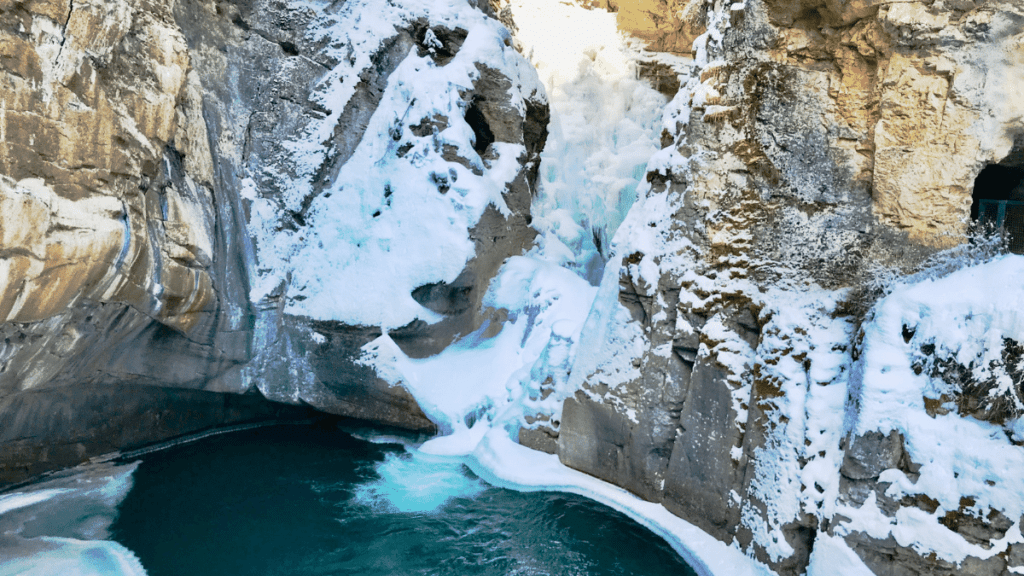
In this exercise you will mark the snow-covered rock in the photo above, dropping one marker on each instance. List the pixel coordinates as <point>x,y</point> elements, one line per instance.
<point>819,151</point>
<point>754,306</point>
<point>235,198</point>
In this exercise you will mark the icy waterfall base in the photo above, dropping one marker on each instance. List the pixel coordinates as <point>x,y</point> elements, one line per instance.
<point>297,500</point>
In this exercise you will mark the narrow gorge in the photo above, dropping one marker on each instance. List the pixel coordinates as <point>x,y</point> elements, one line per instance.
<point>746,272</point>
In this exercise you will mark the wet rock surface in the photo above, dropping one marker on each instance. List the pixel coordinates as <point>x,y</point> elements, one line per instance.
<point>46,429</point>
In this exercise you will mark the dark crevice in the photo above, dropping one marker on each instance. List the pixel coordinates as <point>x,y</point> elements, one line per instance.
<point>686,355</point>
<point>444,298</point>
<point>64,30</point>
<point>998,202</point>
<point>481,130</point>
<point>238,21</point>
<point>289,48</point>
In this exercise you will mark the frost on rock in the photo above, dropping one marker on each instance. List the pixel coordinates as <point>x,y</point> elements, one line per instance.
<point>721,372</point>
<point>801,378</point>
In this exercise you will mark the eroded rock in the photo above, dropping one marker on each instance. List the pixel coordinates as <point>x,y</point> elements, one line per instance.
<point>814,142</point>
<point>134,138</point>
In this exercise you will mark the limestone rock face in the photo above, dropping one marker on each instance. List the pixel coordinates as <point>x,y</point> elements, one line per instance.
<point>77,422</point>
<point>813,143</point>
<point>663,25</point>
<point>110,221</point>
<point>135,138</point>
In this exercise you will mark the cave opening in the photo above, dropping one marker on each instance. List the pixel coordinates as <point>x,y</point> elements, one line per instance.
<point>997,183</point>
<point>481,130</point>
<point>998,200</point>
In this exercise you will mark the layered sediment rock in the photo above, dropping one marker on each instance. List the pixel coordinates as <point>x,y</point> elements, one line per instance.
<point>135,138</point>
<point>110,221</point>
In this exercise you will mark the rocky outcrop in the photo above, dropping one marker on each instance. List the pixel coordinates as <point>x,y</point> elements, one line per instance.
<point>110,220</point>
<point>814,146</point>
<point>663,25</point>
<point>472,127</point>
<point>136,142</point>
<point>209,198</point>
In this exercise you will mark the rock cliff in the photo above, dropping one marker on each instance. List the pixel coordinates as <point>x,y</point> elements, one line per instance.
<point>145,146</point>
<point>815,148</point>
<point>208,204</point>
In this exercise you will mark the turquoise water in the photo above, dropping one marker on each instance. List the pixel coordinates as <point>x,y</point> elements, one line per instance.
<point>293,500</point>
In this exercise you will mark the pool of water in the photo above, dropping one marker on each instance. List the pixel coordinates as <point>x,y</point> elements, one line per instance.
<point>293,500</point>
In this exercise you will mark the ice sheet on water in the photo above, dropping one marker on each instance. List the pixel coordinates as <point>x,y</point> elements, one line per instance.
<point>504,463</point>
<point>79,503</point>
<point>60,526</point>
<point>47,556</point>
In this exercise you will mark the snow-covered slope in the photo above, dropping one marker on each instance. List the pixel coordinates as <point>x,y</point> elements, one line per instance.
<point>940,371</point>
<point>730,369</point>
<point>390,211</point>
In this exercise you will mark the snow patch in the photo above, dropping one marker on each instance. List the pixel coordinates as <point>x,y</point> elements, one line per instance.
<point>967,465</point>
<point>832,557</point>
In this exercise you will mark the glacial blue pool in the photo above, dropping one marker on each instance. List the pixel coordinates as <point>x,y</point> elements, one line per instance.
<point>295,500</point>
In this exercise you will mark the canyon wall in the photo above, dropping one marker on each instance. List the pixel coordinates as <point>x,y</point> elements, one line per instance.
<point>142,148</point>
<point>815,149</point>
<point>211,209</point>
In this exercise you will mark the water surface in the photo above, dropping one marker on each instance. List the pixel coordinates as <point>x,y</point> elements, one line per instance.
<point>293,500</point>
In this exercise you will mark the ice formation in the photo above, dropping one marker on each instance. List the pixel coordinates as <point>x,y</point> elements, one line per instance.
<point>604,129</point>
<point>384,226</point>
<point>60,526</point>
<point>376,232</point>
<point>605,125</point>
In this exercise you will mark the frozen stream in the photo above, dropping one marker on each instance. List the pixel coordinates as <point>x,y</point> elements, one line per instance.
<point>605,126</point>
